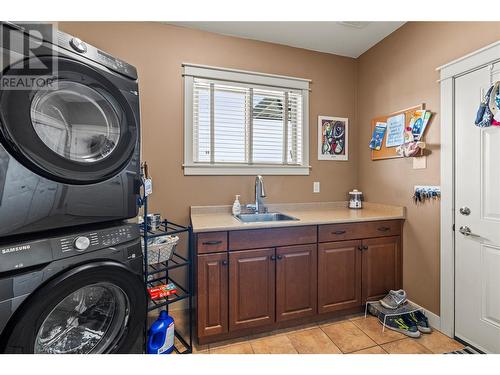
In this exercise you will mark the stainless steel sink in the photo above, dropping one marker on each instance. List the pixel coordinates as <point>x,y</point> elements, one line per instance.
<point>270,216</point>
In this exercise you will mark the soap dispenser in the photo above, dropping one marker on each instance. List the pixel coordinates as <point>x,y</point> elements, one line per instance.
<point>236,206</point>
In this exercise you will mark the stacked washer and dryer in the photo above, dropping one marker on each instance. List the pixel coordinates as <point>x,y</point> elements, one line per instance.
<point>70,265</point>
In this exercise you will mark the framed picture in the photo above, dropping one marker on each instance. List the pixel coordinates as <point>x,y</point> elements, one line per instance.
<point>333,138</point>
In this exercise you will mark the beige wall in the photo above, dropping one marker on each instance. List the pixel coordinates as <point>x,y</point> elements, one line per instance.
<point>157,50</point>
<point>398,73</point>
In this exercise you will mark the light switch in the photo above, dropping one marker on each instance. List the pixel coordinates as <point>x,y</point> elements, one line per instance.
<point>316,187</point>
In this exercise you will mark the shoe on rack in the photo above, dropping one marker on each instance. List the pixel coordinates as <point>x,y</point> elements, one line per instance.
<point>421,321</point>
<point>394,299</point>
<point>401,324</point>
<point>372,310</point>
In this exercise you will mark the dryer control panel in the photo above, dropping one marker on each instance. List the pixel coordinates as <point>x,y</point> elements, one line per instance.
<point>95,240</point>
<point>74,44</point>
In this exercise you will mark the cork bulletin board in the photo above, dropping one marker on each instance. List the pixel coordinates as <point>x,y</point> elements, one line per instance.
<point>390,152</point>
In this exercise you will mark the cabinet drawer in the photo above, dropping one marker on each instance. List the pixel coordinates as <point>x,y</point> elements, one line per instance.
<point>383,228</point>
<point>271,237</point>
<point>353,231</point>
<point>211,242</point>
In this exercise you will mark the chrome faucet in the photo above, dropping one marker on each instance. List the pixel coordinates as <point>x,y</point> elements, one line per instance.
<point>260,194</point>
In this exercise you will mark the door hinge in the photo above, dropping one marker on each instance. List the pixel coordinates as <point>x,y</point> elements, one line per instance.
<point>453,227</point>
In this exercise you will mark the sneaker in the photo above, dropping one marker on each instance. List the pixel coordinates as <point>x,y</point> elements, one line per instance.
<point>394,299</point>
<point>401,324</point>
<point>421,321</point>
<point>372,310</point>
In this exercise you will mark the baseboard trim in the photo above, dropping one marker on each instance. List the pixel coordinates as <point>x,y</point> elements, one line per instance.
<point>434,320</point>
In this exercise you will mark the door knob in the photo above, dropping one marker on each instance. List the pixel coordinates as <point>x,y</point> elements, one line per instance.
<point>467,232</point>
<point>465,211</point>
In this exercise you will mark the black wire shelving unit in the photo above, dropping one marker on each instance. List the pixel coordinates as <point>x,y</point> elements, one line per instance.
<point>161,273</point>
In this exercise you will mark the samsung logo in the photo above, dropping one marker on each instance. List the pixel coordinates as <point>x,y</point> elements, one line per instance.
<point>15,249</point>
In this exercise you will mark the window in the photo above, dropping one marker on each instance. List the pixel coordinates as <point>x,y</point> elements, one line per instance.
<point>244,123</point>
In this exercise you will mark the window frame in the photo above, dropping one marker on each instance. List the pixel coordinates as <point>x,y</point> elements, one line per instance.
<point>191,71</point>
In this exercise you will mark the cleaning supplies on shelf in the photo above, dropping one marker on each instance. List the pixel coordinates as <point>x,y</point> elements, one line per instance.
<point>237,206</point>
<point>162,291</point>
<point>161,335</point>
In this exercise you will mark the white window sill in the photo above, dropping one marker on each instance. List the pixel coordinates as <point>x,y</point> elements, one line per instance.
<point>227,170</point>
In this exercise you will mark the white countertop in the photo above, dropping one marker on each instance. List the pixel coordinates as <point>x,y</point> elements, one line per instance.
<point>219,218</point>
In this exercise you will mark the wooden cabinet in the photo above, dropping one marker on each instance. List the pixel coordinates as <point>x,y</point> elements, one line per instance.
<point>339,275</point>
<point>254,280</point>
<point>251,288</point>
<point>296,282</point>
<point>212,286</point>
<point>382,267</point>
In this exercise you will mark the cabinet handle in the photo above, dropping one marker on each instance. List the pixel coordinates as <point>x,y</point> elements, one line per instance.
<point>212,242</point>
<point>383,229</point>
<point>273,257</point>
<point>224,262</point>
<point>360,248</point>
<point>279,257</point>
<point>365,247</point>
<point>339,232</point>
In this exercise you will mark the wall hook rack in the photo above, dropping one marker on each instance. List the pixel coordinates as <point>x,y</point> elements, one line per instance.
<point>424,193</point>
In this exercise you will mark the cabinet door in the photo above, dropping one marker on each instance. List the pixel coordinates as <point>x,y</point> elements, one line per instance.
<point>212,294</point>
<point>296,282</point>
<point>339,275</point>
<point>251,288</point>
<point>382,266</point>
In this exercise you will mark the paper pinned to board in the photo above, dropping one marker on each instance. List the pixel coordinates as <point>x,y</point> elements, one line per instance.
<point>378,136</point>
<point>418,123</point>
<point>395,130</point>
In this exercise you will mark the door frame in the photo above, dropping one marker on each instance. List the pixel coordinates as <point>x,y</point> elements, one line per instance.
<point>486,56</point>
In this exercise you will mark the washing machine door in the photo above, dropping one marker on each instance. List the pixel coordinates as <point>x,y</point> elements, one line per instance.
<point>79,130</point>
<point>96,308</point>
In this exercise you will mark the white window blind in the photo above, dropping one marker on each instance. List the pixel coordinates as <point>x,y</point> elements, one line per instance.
<point>244,126</point>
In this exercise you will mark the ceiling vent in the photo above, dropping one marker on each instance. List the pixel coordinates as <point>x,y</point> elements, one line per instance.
<point>355,24</point>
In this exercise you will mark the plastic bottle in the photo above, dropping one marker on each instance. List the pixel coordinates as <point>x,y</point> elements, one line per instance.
<point>161,335</point>
<point>236,206</point>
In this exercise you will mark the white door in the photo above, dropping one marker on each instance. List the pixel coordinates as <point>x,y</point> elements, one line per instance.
<point>477,208</point>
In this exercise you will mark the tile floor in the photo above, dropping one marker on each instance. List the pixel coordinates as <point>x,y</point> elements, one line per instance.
<point>354,335</point>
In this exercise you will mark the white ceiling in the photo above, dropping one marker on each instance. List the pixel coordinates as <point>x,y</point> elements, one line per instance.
<point>340,38</point>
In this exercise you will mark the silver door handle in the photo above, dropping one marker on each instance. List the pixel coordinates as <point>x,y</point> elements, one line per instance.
<point>467,232</point>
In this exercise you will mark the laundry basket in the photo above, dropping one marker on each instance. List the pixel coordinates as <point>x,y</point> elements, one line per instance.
<point>160,249</point>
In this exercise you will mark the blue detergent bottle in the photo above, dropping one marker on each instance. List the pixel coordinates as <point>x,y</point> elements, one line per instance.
<point>161,335</point>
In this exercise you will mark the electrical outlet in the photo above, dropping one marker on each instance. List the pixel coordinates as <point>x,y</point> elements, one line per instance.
<point>420,162</point>
<point>316,187</point>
